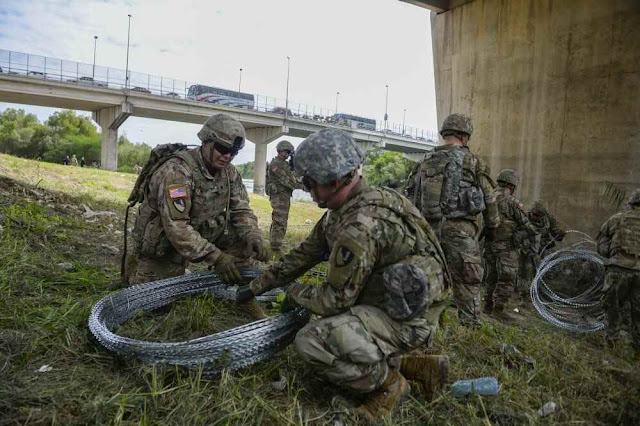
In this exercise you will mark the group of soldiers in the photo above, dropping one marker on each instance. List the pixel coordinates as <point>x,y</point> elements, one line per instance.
<point>392,260</point>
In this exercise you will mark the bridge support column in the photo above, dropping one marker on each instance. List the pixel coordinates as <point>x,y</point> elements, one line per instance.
<point>261,136</point>
<point>110,119</point>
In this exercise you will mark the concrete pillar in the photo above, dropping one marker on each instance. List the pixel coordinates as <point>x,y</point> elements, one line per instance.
<point>261,136</point>
<point>110,119</point>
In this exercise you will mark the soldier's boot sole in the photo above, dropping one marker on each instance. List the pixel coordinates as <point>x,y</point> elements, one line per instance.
<point>431,370</point>
<point>383,400</point>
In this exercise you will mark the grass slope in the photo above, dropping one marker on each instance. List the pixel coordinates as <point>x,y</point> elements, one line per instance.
<point>55,264</point>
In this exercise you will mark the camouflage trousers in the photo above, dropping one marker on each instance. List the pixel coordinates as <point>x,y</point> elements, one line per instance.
<point>462,251</point>
<point>280,203</point>
<point>172,264</point>
<point>502,275</point>
<point>355,349</point>
<point>526,273</point>
<point>622,286</point>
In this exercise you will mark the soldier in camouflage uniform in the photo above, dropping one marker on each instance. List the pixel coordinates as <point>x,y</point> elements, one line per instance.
<point>619,243</point>
<point>451,186</point>
<point>196,209</point>
<point>385,286</point>
<point>550,232</point>
<point>501,249</point>
<point>281,184</point>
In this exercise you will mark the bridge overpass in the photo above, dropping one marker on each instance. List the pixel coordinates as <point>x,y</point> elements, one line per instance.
<point>111,106</point>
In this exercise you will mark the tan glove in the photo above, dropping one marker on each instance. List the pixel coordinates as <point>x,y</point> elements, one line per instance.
<point>226,267</point>
<point>258,249</point>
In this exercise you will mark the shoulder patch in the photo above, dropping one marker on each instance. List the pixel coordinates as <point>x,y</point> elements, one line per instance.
<point>177,191</point>
<point>344,256</point>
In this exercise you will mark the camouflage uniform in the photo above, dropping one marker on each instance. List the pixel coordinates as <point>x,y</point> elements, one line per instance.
<point>458,229</point>
<point>547,227</point>
<point>501,251</point>
<point>356,341</point>
<point>282,182</point>
<point>619,242</point>
<point>184,217</point>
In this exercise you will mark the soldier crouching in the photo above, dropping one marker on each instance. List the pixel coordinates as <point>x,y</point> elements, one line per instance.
<point>385,287</point>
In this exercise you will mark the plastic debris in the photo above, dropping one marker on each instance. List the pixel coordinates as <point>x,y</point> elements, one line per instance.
<point>44,369</point>
<point>280,384</point>
<point>481,386</point>
<point>515,356</point>
<point>548,408</point>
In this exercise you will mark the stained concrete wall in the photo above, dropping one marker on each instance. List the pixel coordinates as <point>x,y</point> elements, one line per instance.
<point>553,88</point>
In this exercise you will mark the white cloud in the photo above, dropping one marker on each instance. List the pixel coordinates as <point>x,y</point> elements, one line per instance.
<point>354,47</point>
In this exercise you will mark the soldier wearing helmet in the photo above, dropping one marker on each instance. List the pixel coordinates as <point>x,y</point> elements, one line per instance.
<point>385,287</point>
<point>280,185</point>
<point>196,209</point>
<point>550,232</point>
<point>501,254</point>
<point>452,186</point>
<point>619,243</point>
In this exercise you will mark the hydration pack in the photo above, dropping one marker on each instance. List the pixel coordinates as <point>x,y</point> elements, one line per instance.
<point>443,190</point>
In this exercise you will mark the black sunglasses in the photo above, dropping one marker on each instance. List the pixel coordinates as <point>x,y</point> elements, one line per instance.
<point>224,150</point>
<point>308,183</point>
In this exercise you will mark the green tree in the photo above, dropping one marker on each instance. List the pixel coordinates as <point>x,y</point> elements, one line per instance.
<point>386,168</point>
<point>17,130</point>
<point>246,170</point>
<point>130,154</point>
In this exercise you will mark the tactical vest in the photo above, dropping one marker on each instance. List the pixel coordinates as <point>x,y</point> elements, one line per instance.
<point>421,247</point>
<point>505,232</point>
<point>626,238</point>
<point>449,185</point>
<point>208,214</point>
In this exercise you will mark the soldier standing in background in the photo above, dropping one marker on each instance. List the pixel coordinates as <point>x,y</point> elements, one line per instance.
<point>195,208</point>
<point>550,232</point>
<point>501,249</point>
<point>74,160</point>
<point>451,186</point>
<point>280,186</point>
<point>385,287</point>
<point>619,243</point>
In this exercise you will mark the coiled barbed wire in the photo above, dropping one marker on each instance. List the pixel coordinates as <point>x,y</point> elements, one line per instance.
<point>232,349</point>
<point>581,313</point>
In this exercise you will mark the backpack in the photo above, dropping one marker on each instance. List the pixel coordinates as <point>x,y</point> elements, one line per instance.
<point>159,155</point>
<point>443,191</point>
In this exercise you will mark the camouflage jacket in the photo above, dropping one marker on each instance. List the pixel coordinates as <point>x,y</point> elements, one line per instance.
<point>619,239</point>
<point>548,229</point>
<point>185,209</point>
<point>435,193</point>
<point>281,178</point>
<point>375,228</point>
<point>512,219</point>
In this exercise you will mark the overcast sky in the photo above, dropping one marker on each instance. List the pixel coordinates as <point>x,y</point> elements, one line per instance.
<point>355,47</point>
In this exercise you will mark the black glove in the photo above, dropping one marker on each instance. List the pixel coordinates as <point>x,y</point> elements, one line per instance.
<point>288,304</point>
<point>244,294</point>
<point>257,247</point>
<point>227,270</point>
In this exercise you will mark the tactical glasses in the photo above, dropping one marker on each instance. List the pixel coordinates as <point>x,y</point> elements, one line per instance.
<point>224,150</point>
<point>308,183</point>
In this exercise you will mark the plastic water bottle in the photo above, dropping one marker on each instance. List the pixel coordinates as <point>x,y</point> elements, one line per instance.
<point>481,386</point>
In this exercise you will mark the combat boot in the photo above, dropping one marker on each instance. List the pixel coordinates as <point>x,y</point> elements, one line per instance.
<point>488,307</point>
<point>254,310</point>
<point>431,370</point>
<point>384,399</point>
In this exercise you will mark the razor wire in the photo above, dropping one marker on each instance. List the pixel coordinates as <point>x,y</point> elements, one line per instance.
<point>231,349</point>
<point>580,313</point>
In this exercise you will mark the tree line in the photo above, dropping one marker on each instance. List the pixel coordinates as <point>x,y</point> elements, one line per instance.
<point>63,134</point>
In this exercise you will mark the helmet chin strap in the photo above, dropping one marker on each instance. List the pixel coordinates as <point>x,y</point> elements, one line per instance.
<point>324,203</point>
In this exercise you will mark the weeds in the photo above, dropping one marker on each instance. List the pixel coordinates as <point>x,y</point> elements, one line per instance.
<point>53,269</point>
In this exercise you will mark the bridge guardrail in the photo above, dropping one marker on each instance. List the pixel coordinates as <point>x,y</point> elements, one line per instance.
<point>41,67</point>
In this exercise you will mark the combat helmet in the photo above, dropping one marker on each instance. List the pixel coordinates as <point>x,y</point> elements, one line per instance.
<point>327,155</point>
<point>284,146</point>
<point>456,123</point>
<point>539,208</point>
<point>634,199</point>
<point>223,129</point>
<point>509,176</point>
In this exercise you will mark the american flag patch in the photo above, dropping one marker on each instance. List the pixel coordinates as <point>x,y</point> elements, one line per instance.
<point>178,192</point>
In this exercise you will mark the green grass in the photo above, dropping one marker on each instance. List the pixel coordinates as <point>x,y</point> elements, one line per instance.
<point>53,268</point>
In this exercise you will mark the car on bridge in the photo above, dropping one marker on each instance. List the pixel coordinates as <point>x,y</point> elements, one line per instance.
<point>216,95</point>
<point>173,95</point>
<point>354,121</point>
<point>140,89</point>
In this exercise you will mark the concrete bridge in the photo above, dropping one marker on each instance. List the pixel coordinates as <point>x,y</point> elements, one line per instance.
<point>112,106</point>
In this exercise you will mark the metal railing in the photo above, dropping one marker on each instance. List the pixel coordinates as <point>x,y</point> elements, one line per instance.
<point>41,67</point>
